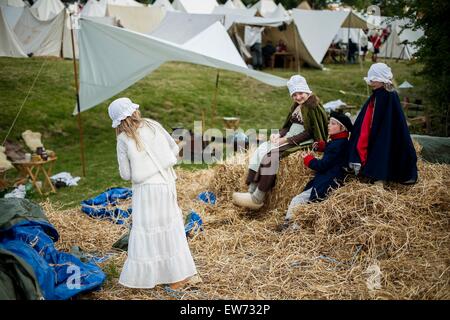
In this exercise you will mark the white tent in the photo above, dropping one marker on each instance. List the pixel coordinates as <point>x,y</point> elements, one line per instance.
<point>229,4</point>
<point>265,7</point>
<point>165,4</point>
<point>12,3</point>
<point>304,5</point>
<point>67,50</point>
<point>41,38</point>
<point>193,24</point>
<point>94,8</point>
<point>400,43</point>
<point>233,15</point>
<point>144,53</point>
<point>238,4</point>
<point>280,12</point>
<point>137,19</point>
<point>10,46</point>
<point>47,9</point>
<point>317,29</point>
<point>195,6</point>
<point>127,3</point>
<point>12,14</point>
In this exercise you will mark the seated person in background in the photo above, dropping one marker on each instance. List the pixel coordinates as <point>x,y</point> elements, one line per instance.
<point>267,51</point>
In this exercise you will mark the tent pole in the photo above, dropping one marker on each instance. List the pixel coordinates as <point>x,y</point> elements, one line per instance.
<point>80,125</point>
<point>214,103</point>
<point>296,47</point>
<point>348,33</point>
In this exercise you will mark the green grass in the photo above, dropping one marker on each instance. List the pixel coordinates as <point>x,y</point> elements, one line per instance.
<point>176,93</point>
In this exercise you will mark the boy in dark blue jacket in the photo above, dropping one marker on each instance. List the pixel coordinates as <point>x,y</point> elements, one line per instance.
<point>329,169</point>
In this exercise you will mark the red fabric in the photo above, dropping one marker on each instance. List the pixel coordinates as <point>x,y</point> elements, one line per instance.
<point>340,135</point>
<point>308,159</point>
<point>376,40</point>
<point>321,146</point>
<point>363,141</point>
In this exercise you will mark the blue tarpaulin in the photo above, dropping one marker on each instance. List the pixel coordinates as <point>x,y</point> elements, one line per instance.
<point>60,275</point>
<point>193,223</point>
<point>207,197</point>
<point>96,207</point>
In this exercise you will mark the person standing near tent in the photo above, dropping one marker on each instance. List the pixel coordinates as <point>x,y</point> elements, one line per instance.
<point>375,38</point>
<point>380,145</point>
<point>364,43</point>
<point>158,252</point>
<point>307,122</point>
<point>253,39</point>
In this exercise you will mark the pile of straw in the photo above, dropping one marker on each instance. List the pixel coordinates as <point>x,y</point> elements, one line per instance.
<point>363,242</point>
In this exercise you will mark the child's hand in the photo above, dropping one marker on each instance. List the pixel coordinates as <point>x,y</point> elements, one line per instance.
<point>304,154</point>
<point>274,137</point>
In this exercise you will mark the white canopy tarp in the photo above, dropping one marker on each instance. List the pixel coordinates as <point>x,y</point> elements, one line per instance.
<point>144,53</point>
<point>10,46</point>
<point>317,29</point>
<point>41,38</point>
<point>47,9</point>
<point>195,6</point>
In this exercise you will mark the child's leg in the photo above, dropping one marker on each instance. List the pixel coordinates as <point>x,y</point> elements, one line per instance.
<point>297,200</point>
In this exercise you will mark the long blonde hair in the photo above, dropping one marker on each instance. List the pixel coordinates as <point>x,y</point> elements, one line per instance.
<point>130,125</point>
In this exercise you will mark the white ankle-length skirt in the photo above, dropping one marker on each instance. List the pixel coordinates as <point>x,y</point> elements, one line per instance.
<point>158,251</point>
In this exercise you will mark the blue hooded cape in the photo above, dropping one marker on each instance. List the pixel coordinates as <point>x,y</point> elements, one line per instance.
<point>391,154</point>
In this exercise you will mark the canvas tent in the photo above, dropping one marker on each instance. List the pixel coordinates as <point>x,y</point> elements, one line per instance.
<point>164,4</point>
<point>12,15</point>
<point>265,7</point>
<point>136,18</point>
<point>304,5</point>
<point>193,24</point>
<point>195,6</point>
<point>238,4</point>
<point>47,9</point>
<point>94,8</point>
<point>316,30</point>
<point>400,43</point>
<point>12,3</point>
<point>41,38</point>
<point>280,12</point>
<point>98,81</point>
<point>10,46</point>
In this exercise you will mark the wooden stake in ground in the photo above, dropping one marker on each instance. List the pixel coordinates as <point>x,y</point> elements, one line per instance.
<point>214,103</point>
<point>80,124</point>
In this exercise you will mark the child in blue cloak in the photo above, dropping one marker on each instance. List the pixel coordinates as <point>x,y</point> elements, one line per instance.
<point>380,146</point>
<point>329,170</point>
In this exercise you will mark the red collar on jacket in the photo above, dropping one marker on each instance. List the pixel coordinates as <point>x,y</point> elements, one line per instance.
<point>340,135</point>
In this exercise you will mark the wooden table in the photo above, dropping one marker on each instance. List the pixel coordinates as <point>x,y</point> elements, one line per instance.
<point>288,59</point>
<point>32,170</point>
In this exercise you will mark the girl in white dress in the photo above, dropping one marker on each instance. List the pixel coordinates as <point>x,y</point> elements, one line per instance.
<point>158,252</point>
